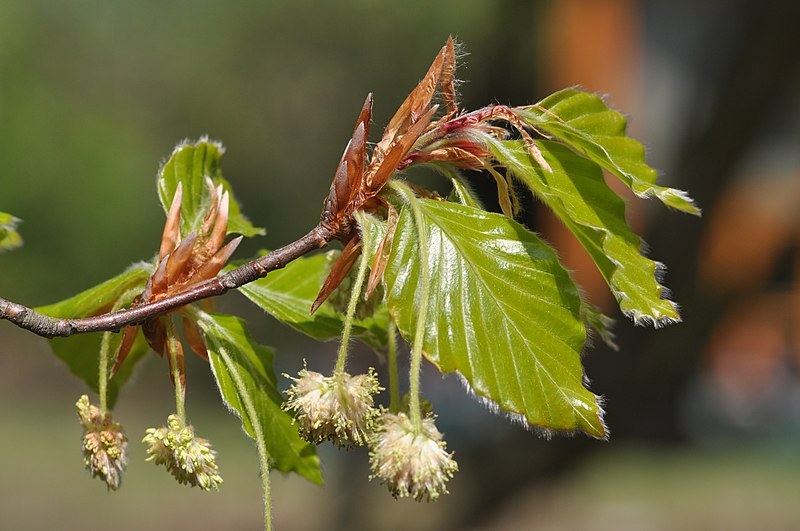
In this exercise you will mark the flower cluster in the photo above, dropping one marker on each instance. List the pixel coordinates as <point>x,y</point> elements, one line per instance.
<point>339,408</point>
<point>411,462</point>
<point>190,459</point>
<point>104,444</point>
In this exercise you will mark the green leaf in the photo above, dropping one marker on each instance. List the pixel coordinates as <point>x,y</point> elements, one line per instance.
<point>463,194</point>
<point>9,237</point>
<point>600,323</point>
<point>577,193</point>
<point>287,295</point>
<point>227,335</point>
<point>503,313</point>
<point>584,122</point>
<point>81,352</point>
<point>373,231</point>
<point>101,298</point>
<point>190,164</point>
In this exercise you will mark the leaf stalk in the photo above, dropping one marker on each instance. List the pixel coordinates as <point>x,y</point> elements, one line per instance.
<point>258,431</point>
<point>355,295</point>
<point>173,344</point>
<point>394,383</point>
<point>424,291</point>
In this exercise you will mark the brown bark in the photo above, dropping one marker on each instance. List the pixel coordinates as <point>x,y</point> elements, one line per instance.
<point>46,326</point>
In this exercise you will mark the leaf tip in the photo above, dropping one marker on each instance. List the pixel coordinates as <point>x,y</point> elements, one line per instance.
<point>680,200</point>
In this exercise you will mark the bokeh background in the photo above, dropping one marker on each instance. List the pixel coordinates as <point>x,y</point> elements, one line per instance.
<point>705,415</point>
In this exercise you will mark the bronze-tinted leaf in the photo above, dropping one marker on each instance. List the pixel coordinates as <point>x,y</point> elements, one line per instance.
<point>416,102</point>
<point>356,155</point>
<point>339,270</point>
<point>220,225</point>
<point>128,338</point>
<point>348,179</point>
<point>159,282</point>
<point>216,263</point>
<point>171,234</point>
<point>211,215</point>
<point>447,79</point>
<point>382,253</point>
<point>398,151</point>
<point>363,121</point>
<point>194,338</point>
<point>156,334</point>
<point>340,189</point>
<point>176,263</point>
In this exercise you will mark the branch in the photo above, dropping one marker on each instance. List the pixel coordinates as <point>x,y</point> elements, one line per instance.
<point>46,326</point>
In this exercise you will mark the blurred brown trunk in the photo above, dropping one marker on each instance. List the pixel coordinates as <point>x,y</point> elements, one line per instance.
<point>645,381</point>
<point>596,44</point>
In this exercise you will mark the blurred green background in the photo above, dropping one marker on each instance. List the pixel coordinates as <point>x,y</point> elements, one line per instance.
<point>705,415</point>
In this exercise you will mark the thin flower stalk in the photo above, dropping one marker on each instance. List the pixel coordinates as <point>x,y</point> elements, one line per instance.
<point>414,408</point>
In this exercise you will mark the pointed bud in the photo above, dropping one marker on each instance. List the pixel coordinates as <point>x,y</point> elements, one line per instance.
<point>211,214</point>
<point>339,408</point>
<point>172,228</point>
<point>104,444</point>
<point>412,463</point>
<point>220,229</point>
<point>188,458</point>
<point>366,306</point>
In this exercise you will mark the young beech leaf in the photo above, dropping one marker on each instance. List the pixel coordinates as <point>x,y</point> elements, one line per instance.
<point>9,237</point>
<point>80,353</point>
<point>577,193</point>
<point>463,194</point>
<point>600,324</point>
<point>287,295</point>
<point>503,313</point>
<point>227,335</point>
<point>190,164</point>
<point>584,122</point>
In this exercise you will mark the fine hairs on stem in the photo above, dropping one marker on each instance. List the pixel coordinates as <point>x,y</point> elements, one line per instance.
<point>105,350</point>
<point>355,295</point>
<point>174,346</point>
<point>394,383</point>
<point>102,372</point>
<point>414,408</point>
<point>252,414</point>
